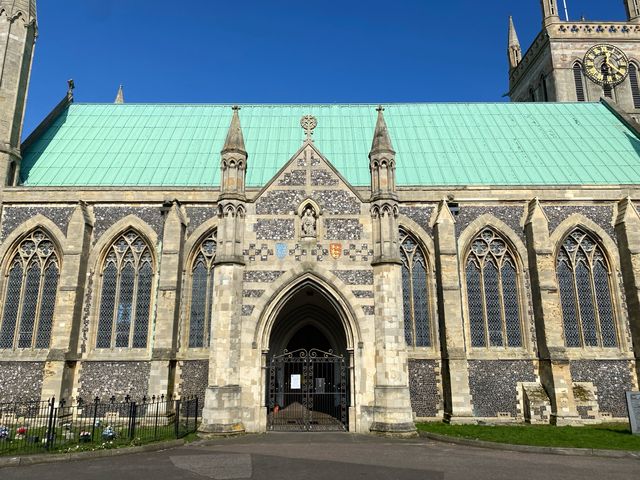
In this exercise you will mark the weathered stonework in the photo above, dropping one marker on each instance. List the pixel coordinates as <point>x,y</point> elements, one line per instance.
<point>337,202</point>
<point>194,379</point>
<point>252,293</point>
<point>494,385</point>
<point>512,215</point>
<point>611,379</point>
<point>424,375</point>
<point>107,216</point>
<point>368,309</point>
<point>295,178</point>
<point>247,310</point>
<point>14,216</point>
<point>262,276</point>
<point>323,178</point>
<point>281,229</point>
<point>342,229</point>
<point>199,215</point>
<point>420,215</point>
<point>355,277</point>
<point>279,202</point>
<point>104,379</point>
<point>601,215</point>
<point>20,381</point>
<point>363,293</point>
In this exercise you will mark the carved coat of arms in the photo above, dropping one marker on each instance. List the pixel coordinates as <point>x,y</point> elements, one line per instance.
<point>335,250</point>
<point>281,250</point>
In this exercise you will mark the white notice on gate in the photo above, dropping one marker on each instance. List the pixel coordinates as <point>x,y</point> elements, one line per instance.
<point>295,381</point>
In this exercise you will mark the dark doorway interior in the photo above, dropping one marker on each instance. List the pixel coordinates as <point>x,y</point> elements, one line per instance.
<point>308,375</point>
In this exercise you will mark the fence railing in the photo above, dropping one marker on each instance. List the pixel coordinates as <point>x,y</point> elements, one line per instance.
<point>34,427</point>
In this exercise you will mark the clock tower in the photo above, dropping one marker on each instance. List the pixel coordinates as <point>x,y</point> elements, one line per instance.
<point>578,61</point>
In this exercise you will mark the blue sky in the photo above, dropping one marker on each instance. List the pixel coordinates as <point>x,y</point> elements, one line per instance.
<point>265,51</point>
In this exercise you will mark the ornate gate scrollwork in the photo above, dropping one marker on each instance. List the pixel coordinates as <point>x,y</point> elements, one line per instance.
<point>307,391</point>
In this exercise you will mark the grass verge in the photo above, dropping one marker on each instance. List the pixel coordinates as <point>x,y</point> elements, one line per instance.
<point>609,436</point>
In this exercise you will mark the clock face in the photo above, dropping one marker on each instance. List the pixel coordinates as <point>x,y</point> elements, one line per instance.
<point>606,64</point>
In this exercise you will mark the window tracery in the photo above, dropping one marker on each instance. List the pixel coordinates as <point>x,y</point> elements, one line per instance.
<point>415,292</point>
<point>585,292</point>
<point>493,296</point>
<point>201,294</point>
<point>125,302</point>
<point>31,284</point>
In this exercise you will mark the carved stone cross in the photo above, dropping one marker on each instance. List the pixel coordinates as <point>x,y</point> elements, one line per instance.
<point>308,124</point>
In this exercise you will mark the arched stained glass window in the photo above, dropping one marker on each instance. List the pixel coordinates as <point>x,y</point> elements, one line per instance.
<point>492,293</point>
<point>415,292</point>
<point>585,292</point>
<point>31,284</point>
<point>125,301</point>
<point>201,299</point>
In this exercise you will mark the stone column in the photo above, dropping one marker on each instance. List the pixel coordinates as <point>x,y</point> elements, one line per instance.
<point>455,368</point>
<point>628,234</point>
<point>222,407</point>
<point>392,412</point>
<point>165,341</point>
<point>555,369</point>
<point>60,366</point>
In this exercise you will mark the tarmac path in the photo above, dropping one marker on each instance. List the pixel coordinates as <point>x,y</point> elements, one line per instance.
<point>311,456</point>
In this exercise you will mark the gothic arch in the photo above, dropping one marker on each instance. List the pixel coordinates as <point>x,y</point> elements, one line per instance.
<point>25,228</point>
<point>97,259</point>
<point>611,257</point>
<point>421,235</point>
<point>196,237</point>
<point>512,238</point>
<point>132,222</point>
<point>277,295</point>
<point>193,250</point>
<point>518,253</point>
<point>29,284</point>
<point>417,309</point>
<point>578,220</point>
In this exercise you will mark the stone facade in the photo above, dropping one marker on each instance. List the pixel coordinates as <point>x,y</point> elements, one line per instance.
<point>307,255</point>
<point>545,73</point>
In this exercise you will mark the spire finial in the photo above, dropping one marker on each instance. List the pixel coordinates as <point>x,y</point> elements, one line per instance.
<point>381,139</point>
<point>120,95</point>
<point>235,140</point>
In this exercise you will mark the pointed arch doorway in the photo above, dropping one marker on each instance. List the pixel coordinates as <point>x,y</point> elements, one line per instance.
<point>308,365</point>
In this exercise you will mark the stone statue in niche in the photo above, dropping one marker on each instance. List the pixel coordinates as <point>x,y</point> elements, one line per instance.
<point>309,222</point>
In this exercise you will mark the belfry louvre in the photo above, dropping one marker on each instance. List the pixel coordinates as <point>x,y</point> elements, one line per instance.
<point>314,267</point>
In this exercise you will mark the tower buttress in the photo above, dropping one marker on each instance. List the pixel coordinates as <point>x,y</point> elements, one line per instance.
<point>514,51</point>
<point>549,12</point>
<point>633,10</point>
<point>18,32</point>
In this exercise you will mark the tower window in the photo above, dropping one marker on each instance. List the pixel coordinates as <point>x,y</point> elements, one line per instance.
<point>201,299</point>
<point>125,304</point>
<point>492,293</point>
<point>545,92</point>
<point>607,90</point>
<point>30,294</point>
<point>635,89</point>
<point>585,292</point>
<point>579,81</point>
<point>415,293</point>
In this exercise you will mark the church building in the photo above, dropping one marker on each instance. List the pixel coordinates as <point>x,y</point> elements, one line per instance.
<point>332,267</point>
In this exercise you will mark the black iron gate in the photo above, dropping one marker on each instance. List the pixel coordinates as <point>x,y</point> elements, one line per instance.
<point>307,391</point>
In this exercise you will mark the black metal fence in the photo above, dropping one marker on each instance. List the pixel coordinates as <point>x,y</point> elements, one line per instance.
<point>35,427</point>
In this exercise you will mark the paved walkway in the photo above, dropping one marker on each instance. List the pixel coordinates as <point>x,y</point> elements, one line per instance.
<point>330,456</point>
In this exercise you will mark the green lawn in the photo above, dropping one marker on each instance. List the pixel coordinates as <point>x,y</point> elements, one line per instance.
<point>611,436</point>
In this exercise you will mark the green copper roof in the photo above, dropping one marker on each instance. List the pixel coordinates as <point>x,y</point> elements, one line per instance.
<point>436,144</point>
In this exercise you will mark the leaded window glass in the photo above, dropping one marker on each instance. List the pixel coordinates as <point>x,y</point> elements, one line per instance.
<point>201,299</point>
<point>492,293</point>
<point>585,292</point>
<point>125,301</point>
<point>31,283</point>
<point>415,292</point>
